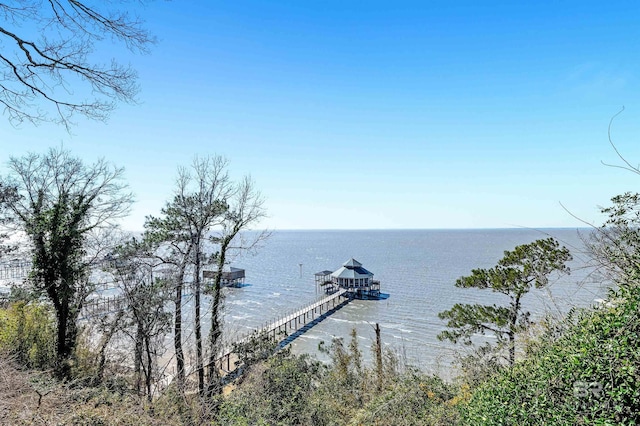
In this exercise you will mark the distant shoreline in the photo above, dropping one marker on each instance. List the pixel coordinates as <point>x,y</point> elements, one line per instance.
<point>522,228</point>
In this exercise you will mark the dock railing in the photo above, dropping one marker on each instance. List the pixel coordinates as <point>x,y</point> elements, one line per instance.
<point>292,321</point>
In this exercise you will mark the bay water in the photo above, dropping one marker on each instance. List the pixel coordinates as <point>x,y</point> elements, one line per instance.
<point>416,268</point>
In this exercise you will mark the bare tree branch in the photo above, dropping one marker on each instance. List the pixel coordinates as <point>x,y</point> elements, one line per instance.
<point>59,204</point>
<point>627,165</point>
<point>47,62</point>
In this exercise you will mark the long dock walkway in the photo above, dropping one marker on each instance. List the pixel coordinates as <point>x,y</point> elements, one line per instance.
<point>301,316</point>
<point>291,324</point>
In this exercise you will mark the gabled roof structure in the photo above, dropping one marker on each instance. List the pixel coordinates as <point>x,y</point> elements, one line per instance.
<point>351,278</point>
<point>352,263</point>
<point>351,269</point>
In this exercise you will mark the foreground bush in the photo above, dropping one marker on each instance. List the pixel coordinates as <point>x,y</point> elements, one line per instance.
<point>413,399</point>
<point>27,334</point>
<point>289,389</point>
<point>588,373</point>
<point>276,392</point>
<point>36,398</point>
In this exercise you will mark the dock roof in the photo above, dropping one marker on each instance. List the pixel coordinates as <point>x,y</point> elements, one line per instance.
<point>352,269</point>
<point>352,263</point>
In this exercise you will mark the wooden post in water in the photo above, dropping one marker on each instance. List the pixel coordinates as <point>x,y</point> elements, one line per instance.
<point>379,357</point>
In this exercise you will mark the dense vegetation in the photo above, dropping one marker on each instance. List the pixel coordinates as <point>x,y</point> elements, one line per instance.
<point>582,369</point>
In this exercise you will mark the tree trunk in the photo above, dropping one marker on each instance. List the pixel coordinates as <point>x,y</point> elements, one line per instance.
<point>62,316</point>
<point>138,358</point>
<point>177,335</point>
<point>103,348</point>
<point>149,371</point>
<point>512,331</point>
<point>512,348</point>
<point>63,349</point>
<point>379,357</point>
<point>198,325</point>
<point>216,332</point>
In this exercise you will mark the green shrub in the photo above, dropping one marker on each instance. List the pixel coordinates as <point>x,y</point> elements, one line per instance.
<point>289,389</point>
<point>413,399</point>
<point>27,333</point>
<point>588,374</point>
<point>276,392</point>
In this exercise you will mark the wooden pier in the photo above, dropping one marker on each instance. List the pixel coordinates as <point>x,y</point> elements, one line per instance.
<point>14,269</point>
<point>301,317</point>
<point>350,282</point>
<point>103,305</point>
<point>289,324</point>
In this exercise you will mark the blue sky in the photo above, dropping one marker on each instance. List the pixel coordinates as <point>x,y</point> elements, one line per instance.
<point>361,115</point>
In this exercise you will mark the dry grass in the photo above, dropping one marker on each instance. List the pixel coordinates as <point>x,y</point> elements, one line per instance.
<point>34,398</point>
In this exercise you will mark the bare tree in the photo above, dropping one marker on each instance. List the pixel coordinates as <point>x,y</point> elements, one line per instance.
<point>197,206</point>
<point>199,226</point>
<point>165,241</point>
<point>7,196</point>
<point>614,246</point>
<point>145,320</point>
<point>47,67</point>
<point>245,208</point>
<point>197,229</point>
<point>60,204</point>
<point>202,209</point>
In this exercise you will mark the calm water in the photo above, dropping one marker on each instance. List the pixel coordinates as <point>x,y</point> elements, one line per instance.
<point>417,268</point>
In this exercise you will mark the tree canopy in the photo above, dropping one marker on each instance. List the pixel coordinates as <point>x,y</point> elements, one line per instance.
<point>59,204</point>
<point>614,245</point>
<point>197,229</point>
<point>527,266</point>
